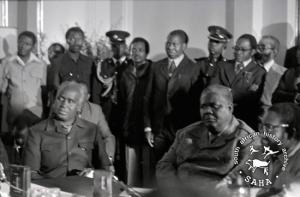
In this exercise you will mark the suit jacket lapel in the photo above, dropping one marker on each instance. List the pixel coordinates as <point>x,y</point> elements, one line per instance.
<point>180,66</point>
<point>176,75</point>
<point>241,73</point>
<point>164,68</point>
<point>230,74</point>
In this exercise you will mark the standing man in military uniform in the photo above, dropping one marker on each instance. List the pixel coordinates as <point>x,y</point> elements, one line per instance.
<point>218,39</point>
<point>107,75</point>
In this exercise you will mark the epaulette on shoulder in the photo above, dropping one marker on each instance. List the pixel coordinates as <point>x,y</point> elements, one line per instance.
<point>247,129</point>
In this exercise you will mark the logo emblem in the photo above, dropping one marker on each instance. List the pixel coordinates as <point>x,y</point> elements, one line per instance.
<point>264,163</point>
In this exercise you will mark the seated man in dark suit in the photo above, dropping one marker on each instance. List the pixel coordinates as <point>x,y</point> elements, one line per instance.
<point>203,153</point>
<point>63,144</point>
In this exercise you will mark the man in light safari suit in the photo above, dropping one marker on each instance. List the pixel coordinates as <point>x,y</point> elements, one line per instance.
<point>268,48</point>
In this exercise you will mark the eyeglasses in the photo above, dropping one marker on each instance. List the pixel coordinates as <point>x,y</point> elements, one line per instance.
<point>269,128</point>
<point>236,48</point>
<point>263,47</point>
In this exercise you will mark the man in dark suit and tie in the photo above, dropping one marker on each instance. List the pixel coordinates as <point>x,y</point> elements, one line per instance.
<point>245,77</point>
<point>170,101</point>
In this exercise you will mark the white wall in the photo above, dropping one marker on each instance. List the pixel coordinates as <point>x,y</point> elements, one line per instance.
<point>279,20</point>
<point>154,19</point>
<point>59,15</point>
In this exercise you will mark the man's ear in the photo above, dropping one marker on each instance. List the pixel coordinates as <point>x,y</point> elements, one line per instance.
<point>253,52</point>
<point>275,51</point>
<point>293,133</point>
<point>68,41</point>
<point>184,46</point>
<point>88,96</point>
<point>230,106</point>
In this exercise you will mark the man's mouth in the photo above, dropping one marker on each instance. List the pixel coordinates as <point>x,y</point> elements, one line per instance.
<point>209,118</point>
<point>212,51</point>
<point>62,112</point>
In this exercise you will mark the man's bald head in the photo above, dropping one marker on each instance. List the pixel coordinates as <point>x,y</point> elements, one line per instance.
<point>66,86</point>
<point>223,91</point>
<point>216,107</point>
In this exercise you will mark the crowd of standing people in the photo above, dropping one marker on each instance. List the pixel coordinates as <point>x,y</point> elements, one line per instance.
<point>132,110</point>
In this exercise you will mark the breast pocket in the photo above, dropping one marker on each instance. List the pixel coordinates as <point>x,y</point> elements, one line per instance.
<point>84,153</point>
<point>86,146</point>
<point>50,154</point>
<point>35,77</point>
<point>185,149</point>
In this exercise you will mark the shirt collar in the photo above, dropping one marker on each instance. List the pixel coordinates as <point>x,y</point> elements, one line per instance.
<point>245,63</point>
<point>177,60</point>
<point>72,57</point>
<point>32,58</point>
<point>53,124</point>
<point>268,65</point>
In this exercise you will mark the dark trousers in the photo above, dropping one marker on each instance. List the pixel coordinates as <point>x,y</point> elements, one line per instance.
<point>114,119</point>
<point>162,143</point>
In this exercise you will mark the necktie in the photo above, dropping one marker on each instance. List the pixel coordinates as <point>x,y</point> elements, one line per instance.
<point>238,67</point>
<point>171,68</point>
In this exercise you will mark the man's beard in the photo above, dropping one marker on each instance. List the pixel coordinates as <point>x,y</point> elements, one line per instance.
<point>262,58</point>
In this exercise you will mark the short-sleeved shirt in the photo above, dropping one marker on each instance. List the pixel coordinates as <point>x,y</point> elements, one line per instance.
<point>22,82</point>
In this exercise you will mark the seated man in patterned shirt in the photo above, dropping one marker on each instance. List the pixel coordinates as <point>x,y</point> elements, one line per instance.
<point>64,144</point>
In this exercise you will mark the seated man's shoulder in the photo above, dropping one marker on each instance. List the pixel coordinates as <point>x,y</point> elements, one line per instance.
<point>41,125</point>
<point>192,129</point>
<point>245,129</point>
<point>247,135</point>
<point>86,124</point>
<point>38,128</point>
